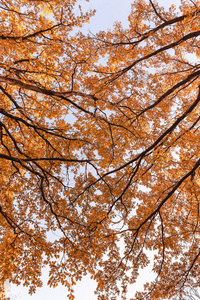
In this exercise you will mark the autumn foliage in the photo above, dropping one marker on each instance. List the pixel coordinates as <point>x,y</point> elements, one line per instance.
<point>99,147</point>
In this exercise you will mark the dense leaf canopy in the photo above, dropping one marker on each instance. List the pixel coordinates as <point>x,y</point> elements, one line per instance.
<point>99,147</point>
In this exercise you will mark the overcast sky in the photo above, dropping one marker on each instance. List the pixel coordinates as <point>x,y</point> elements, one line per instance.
<point>108,11</point>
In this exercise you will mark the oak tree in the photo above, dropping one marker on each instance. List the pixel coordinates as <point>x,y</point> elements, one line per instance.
<point>99,147</point>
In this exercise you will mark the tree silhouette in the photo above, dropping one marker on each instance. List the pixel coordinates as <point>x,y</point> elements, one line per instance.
<point>99,154</point>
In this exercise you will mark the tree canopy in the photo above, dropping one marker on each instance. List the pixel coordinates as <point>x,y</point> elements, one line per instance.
<point>99,147</point>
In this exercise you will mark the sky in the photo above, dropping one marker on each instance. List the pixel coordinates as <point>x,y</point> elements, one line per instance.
<point>107,12</point>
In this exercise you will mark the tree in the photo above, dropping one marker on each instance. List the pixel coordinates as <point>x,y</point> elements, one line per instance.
<point>192,294</point>
<point>100,147</point>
